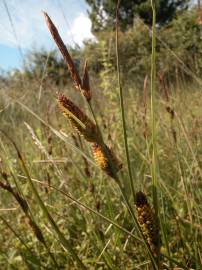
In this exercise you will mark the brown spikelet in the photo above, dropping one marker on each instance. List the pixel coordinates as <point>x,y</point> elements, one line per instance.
<point>172,117</point>
<point>106,159</point>
<point>86,83</point>
<point>22,202</point>
<point>63,49</point>
<point>6,186</point>
<point>81,123</point>
<point>171,112</point>
<point>146,220</point>
<point>24,206</point>
<point>50,146</point>
<point>37,231</point>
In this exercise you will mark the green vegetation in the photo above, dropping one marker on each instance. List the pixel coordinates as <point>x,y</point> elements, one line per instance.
<point>115,183</point>
<point>103,12</point>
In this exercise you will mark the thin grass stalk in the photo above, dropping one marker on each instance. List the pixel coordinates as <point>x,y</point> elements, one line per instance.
<point>122,103</point>
<point>153,113</point>
<point>164,234</point>
<point>153,124</point>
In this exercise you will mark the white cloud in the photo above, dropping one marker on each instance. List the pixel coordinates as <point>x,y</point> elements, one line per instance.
<point>81,29</point>
<point>70,18</point>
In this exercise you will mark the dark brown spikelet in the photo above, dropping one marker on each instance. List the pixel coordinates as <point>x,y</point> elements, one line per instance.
<point>63,49</point>
<point>86,84</point>
<point>81,123</point>
<point>22,202</point>
<point>37,231</point>
<point>146,220</point>
<point>171,112</point>
<point>102,156</point>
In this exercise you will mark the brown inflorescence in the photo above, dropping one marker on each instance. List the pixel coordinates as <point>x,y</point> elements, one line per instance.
<point>103,155</point>
<point>63,49</point>
<point>82,85</point>
<point>24,206</point>
<point>37,231</point>
<point>79,120</point>
<point>106,159</point>
<point>147,222</point>
<point>86,84</point>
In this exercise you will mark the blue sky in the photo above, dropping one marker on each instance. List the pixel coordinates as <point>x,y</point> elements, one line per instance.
<point>29,30</point>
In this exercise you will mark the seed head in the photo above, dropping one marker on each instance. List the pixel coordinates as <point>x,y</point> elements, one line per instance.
<point>80,122</point>
<point>146,220</point>
<point>86,84</point>
<point>106,159</point>
<point>37,231</point>
<point>63,49</point>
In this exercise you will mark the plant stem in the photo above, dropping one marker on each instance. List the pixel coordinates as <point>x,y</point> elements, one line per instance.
<point>153,120</point>
<point>122,104</point>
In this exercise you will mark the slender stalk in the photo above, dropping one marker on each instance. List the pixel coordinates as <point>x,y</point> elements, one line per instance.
<point>153,120</point>
<point>122,103</point>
